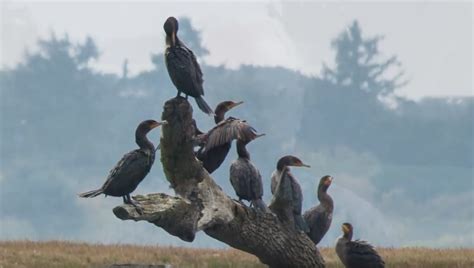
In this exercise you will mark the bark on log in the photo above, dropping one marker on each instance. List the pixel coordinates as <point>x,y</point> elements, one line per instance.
<point>201,204</point>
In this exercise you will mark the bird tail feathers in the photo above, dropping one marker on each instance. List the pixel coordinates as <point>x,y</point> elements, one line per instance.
<point>204,106</point>
<point>92,193</point>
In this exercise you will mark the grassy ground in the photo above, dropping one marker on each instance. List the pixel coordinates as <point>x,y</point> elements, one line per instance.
<point>53,254</point>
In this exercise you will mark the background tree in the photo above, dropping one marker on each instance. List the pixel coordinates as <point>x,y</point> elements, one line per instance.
<point>358,63</point>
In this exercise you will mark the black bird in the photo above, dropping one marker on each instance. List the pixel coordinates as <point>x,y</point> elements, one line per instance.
<point>224,133</point>
<point>357,253</point>
<point>287,199</point>
<point>246,179</point>
<point>132,168</point>
<point>319,218</point>
<point>183,67</point>
<point>213,158</point>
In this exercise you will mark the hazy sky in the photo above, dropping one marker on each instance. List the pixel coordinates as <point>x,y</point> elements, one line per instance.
<point>432,40</point>
<point>423,198</point>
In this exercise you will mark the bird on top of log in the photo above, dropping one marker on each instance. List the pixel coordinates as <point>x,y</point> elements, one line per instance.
<point>182,66</point>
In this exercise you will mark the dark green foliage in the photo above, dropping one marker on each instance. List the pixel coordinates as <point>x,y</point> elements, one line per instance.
<point>345,105</point>
<point>358,63</point>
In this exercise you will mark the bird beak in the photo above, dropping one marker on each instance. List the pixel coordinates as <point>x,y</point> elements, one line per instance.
<point>173,38</point>
<point>304,165</point>
<point>236,104</point>
<point>260,135</point>
<point>157,124</point>
<point>345,229</point>
<point>329,181</point>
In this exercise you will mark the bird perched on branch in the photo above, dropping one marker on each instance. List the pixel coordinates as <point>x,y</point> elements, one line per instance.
<point>287,199</point>
<point>224,133</point>
<point>124,178</point>
<point>183,68</point>
<point>319,218</point>
<point>356,253</point>
<point>212,159</point>
<point>246,179</point>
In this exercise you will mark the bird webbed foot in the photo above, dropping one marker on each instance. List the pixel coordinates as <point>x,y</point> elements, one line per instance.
<point>240,202</point>
<point>129,201</point>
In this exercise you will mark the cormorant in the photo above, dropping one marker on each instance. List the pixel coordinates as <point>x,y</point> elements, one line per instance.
<point>357,253</point>
<point>246,179</point>
<point>319,218</point>
<point>183,67</point>
<point>287,199</point>
<point>132,168</point>
<point>213,158</point>
<point>283,162</point>
<point>230,129</point>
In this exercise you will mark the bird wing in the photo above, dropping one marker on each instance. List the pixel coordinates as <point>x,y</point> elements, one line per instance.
<point>362,254</point>
<point>196,71</point>
<point>240,177</point>
<point>318,222</point>
<point>133,164</point>
<point>184,70</point>
<point>256,184</point>
<point>234,177</point>
<point>297,195</point>
<point>228,130</point>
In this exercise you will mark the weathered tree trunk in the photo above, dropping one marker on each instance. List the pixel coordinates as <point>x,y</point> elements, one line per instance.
<point>203,206</point>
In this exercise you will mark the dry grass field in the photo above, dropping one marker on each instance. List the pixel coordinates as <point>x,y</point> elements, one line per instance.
<point>16,254</point>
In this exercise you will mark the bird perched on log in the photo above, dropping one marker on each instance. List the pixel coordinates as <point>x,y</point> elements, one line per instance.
<point>224,133</point>
<point>319,218</point>
<point>356,253</point>
<point>124,178</point>
<point>213,158</point>
<point>287,199</point>
<point>183,68</point>
<point>246,179</point>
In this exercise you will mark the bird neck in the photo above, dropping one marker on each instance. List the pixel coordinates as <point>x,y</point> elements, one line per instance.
<point>324,197</point>
<point>242,150</point>
<point>219,117</point>
<point>348,236</point>
<point>143,142</point>
<point>281,165</point>
<point>169,41</point>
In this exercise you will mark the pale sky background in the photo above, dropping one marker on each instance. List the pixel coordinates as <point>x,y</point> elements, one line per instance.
<point>406,204</point>
<point>433,40</point>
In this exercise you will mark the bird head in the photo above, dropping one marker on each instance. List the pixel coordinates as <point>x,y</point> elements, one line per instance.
<point>347,229</point>
<point>326,181</point>
<point>147,125</point>
<point>290,160</point>
<point>171,29</point>
<point>226,106</point>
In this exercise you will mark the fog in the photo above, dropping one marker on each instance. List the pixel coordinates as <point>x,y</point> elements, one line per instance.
<point>403,169</point>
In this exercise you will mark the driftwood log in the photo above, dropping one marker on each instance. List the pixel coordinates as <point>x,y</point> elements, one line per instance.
<point>201,205</point>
